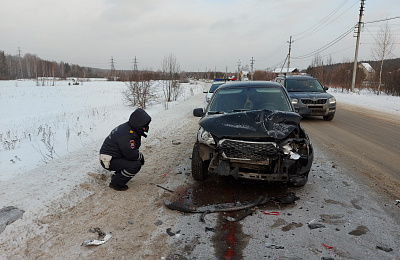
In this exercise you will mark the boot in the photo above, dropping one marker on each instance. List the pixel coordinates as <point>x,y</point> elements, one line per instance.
<point>118,181</point>
<point>118,187</point>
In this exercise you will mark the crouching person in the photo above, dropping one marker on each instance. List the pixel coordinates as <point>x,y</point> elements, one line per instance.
<point>120,150</point>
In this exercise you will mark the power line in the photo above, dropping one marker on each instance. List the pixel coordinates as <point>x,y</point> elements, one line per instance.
<point>328,45</point>
<point>319,29</point>
<point>387,19</point>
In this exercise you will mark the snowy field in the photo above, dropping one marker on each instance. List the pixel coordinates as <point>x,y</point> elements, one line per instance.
<point>39,124</point>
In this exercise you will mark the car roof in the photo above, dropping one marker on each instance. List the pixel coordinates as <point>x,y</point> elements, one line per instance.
<point>251,84</point>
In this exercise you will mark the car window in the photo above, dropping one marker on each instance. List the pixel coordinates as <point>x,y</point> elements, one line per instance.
<point>214,87</point>
<point>303,85</point>
<point>253,98</point>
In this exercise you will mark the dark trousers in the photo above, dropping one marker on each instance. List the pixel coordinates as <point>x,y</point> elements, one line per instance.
<point>124,170</point>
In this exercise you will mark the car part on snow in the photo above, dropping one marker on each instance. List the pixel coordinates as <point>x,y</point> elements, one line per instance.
<point>164,188</point>
<point>97,242</point>
<point>274,213</point>
<point>225,207</point>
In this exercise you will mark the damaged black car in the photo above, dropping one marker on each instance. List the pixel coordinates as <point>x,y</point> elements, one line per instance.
<point>250,130</point>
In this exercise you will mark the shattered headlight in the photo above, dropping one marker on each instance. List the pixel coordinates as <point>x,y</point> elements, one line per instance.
<point>294,149</point>
<point>205,137</point>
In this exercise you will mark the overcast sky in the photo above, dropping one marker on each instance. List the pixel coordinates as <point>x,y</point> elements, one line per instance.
<point>201,34</point>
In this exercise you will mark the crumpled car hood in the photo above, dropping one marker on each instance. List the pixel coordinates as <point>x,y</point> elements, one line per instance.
<point>252,124</point>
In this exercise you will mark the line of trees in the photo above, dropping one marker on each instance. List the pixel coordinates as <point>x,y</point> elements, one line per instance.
<point>385,78</point>
<point>30,66</point>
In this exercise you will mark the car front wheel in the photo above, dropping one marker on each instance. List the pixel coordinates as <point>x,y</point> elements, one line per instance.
<point>199,167</point>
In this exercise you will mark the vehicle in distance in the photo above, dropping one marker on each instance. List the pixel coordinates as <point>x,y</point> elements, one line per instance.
<point>250,130</point>
<point>306,91</point>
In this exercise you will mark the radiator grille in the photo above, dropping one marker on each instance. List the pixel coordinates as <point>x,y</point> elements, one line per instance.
<point>313,102</point>
<point>254,151</point>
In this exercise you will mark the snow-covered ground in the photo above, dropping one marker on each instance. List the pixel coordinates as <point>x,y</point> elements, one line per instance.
<point>40,124</point>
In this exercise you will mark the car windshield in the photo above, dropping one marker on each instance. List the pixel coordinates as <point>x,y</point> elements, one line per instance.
<point>214,87</point>
<point>239,99</point>
<point>303,85</point>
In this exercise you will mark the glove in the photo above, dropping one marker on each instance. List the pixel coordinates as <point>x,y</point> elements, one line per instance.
<point>141,158</point>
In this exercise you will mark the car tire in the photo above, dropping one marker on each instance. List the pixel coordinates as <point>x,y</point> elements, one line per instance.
<point>300,181</point>
<point>199,167</point>
<point>329,117</point>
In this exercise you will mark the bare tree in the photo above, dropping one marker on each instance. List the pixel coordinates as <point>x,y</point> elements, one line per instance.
<point>138,92</point>
<point>171,75</point>
<point>384,44</point>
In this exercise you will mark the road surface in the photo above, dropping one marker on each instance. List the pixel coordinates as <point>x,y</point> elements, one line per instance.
<point>366,141</point>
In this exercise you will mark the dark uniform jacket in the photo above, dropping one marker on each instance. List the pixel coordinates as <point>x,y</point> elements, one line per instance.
<point>125,139</point>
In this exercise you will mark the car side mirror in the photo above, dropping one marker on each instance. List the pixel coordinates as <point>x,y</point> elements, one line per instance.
<point>199,112</point>
<point>326,88</point>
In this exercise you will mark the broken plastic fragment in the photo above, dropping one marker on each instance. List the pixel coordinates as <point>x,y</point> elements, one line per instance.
<point>96,242</point>
<point>384,248</point>
<point>230,219</point>
<point>329,247</point>
<point>276,213</point>
<point>294,156</point>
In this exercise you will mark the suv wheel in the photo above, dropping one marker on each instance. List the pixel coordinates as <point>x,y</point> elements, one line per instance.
<point>199,167</point>
<point>329,117</point>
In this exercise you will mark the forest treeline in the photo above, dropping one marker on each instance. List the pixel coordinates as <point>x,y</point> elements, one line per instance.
<point>337,75</point>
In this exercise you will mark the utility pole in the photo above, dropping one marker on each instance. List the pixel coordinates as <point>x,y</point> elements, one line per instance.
<point>290,48</point>
<point>20,73</point>
<point>252,63</point>
<point>112,72</point>
<point>238,70</point>
<point>135,66</point>
<point>353,82</point>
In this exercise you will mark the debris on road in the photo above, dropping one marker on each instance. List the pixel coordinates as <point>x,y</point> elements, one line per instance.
<point>97,242</point>
<point>384,248</point>
<point>164,188</point>
<point>210,229</point>
<point>328,247</point>
<point>315,225</point>
<point>203,215</point>
<point>274,213</point>
<point>175,142</point>
<point>397,202</point>
<point>225,207</point>
<point>289,198</point>
<point>171,234</point>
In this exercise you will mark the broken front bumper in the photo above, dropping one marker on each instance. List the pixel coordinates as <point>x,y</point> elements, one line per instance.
<point>265,161</point>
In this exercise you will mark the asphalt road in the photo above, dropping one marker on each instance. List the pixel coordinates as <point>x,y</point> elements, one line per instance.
<point>351,193</point>
<point>365,141</point>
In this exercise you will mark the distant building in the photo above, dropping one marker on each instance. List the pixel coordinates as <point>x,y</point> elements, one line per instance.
<point>244,75</point>
<point>285,70</point>
<point>369,72</point>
